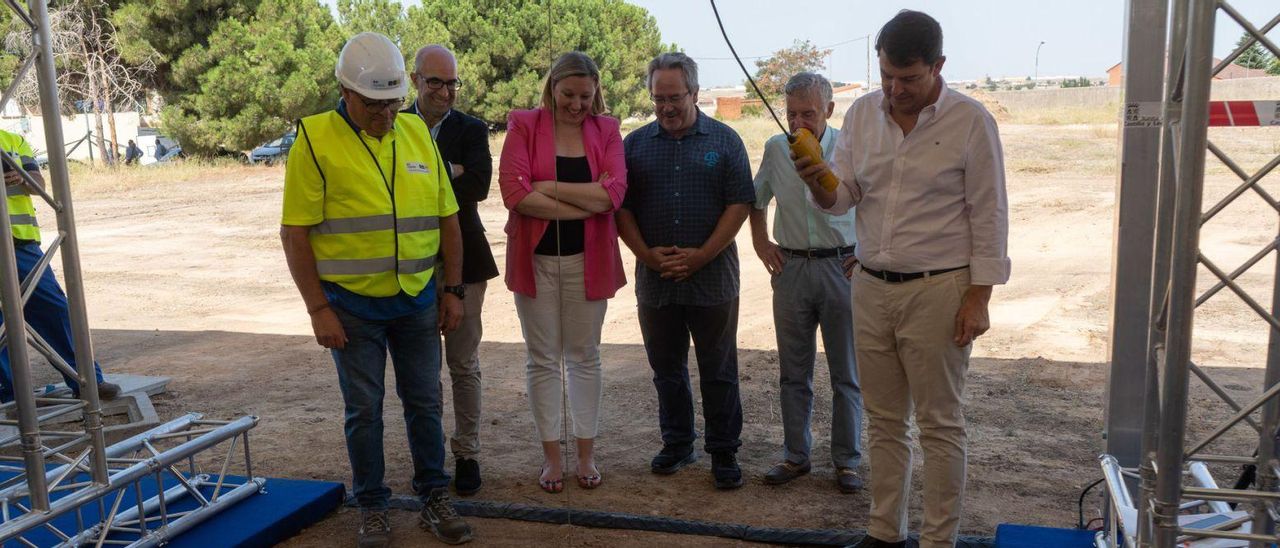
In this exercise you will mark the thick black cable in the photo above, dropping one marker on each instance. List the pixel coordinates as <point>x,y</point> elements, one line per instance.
<point>659,524</point>
<point>748,73</point>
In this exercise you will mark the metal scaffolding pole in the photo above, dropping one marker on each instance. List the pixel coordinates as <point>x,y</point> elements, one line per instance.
<point>1166,182</point>
<point>73,279</point>
<point>1182,277</point>
<point>20,365</point>
<point>1134,228</point>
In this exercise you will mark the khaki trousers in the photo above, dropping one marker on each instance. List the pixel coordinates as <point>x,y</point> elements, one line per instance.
<point>908,362</point>
<point>462,352</point>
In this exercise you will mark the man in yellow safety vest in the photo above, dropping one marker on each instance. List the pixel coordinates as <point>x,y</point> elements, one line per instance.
<point>46,310</point>
<point>368,214</point>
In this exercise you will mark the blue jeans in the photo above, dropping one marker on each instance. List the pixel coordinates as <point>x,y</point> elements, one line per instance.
<point>414,344</point>
<point>46,312</point>
<point>714,329</point>
<point>809,294</point>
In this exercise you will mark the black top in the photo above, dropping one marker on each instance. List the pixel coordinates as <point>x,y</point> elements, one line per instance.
<point>464,140</point>
<point>568,170</point>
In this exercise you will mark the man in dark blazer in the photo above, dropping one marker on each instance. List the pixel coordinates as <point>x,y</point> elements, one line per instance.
<point>464,143</point>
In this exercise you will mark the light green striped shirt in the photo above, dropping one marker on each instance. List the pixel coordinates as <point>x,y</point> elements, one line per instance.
<point>797,223</point>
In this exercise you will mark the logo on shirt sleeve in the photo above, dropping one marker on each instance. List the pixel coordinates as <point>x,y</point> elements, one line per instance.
<point>711,158</point>
<point>417,167</point>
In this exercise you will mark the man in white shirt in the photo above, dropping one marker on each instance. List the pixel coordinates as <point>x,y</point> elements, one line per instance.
<point>925,168</point>
<point>810,266</point>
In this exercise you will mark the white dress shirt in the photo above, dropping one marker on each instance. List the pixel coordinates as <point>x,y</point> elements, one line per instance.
<point>932,200</point>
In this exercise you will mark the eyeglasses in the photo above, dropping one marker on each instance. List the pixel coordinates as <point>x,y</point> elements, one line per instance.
<point>668,100</point>
<point>379,106</point>
<point>436,83</point>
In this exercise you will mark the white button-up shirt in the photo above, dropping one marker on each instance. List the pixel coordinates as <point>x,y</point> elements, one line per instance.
<point>932,200</point>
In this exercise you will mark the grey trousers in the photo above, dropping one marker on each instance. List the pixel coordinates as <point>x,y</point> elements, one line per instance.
<point>808,294</point>
<point>462,353</point>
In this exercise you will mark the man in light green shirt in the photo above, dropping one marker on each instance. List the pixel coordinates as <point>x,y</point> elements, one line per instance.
<point>810,266</point>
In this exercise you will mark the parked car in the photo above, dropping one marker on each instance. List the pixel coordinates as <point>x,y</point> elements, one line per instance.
<point>274,151</point>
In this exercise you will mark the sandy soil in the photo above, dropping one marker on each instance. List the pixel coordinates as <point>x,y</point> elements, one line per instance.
<point>185,278</point>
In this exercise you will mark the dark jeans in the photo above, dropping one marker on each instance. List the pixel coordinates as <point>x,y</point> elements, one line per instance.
<point>414,344</point>
<point>46,312</point>
<point>714,329</point>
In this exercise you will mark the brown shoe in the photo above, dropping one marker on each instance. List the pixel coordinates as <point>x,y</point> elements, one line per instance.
<point>108,390</point>
<point>847,480</point>
<point>784,472</point>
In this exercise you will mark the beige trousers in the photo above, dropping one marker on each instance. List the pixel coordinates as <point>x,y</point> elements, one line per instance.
<point>561,323</point>
<point>907,361</point>
<point>462,352</point>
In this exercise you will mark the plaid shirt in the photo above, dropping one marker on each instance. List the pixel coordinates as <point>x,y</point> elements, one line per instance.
<point>677,191</point>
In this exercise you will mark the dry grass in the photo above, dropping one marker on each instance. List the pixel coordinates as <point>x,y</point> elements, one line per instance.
<point>99,179</point>
<point>1108,114</point>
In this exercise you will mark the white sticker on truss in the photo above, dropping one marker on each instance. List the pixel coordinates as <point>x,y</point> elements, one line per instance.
<point>1143,114</point>
<point>1268,113</point>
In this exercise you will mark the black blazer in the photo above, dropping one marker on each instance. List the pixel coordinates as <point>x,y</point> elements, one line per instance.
<point>464,140</point>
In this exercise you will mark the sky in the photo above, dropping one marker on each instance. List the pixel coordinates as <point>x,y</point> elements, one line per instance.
<point>981,38</point>
<point>996,38</point>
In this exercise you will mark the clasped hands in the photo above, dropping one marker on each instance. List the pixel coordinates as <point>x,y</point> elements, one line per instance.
<point>676,263</point>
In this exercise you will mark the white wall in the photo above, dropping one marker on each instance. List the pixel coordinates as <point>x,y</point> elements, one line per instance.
<point>73,128</point>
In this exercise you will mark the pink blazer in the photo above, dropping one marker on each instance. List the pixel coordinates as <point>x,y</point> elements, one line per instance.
<point>529,154</point>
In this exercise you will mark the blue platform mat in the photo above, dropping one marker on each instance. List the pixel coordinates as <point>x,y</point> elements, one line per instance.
<point>1030,536</point>
<point>263,519</point>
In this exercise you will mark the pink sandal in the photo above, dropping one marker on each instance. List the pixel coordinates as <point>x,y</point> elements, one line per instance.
<point>550,486</point>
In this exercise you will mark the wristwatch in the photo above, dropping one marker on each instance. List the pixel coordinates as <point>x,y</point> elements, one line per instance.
<point>459,291</point>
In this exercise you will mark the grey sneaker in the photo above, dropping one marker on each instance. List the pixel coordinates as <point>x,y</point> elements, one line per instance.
<point>375,529</point>
<point>439,517</point>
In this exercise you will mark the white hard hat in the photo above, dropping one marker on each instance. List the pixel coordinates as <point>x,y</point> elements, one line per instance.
<point>372,66</point>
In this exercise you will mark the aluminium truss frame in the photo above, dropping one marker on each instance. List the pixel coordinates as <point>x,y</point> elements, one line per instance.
<point>1159,216</point>
<point>60,472</point>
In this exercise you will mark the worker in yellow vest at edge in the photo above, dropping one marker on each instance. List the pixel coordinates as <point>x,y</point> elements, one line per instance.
<point>46,310</point>
<point>368,216</point>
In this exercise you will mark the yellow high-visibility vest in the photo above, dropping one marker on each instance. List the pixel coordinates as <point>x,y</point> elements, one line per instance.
<point>380,229</point>
<point>22,211</point>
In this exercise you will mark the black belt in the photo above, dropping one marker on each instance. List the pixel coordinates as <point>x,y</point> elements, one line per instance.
<point>820,253</point>
<point>899,277</point>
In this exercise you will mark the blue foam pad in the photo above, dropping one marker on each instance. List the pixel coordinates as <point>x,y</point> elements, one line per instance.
<point>1030,536</point>
<point>266,519</point>
<point>262,519</point>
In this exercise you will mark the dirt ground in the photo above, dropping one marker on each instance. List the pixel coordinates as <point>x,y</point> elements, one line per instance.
<point>185,278</point>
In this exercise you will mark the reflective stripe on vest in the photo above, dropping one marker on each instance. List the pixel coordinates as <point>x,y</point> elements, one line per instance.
<point>371,223</point>
<point>22,219</point>
<point>350,267</point>
<point>378,237</point>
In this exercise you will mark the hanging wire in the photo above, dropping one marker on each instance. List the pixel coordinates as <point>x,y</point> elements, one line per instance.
<point>564,372</point>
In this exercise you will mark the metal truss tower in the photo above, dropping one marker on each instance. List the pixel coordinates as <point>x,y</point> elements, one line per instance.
<point>137,492</point>
<point>1159,488</point>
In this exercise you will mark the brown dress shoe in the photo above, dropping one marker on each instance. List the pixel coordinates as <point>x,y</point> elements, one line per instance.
<point>784,472</point>
<point>847,480</point>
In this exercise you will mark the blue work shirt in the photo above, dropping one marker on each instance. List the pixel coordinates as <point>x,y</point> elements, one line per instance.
<point>678,189</point>
<point>376,308</point>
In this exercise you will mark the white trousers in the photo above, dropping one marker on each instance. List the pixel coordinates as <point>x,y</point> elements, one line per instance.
<point>560,323</point>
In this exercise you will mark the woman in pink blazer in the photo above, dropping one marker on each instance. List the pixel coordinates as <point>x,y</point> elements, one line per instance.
<point>563,175</point>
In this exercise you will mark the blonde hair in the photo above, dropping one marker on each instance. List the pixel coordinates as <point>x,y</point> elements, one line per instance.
<point>574,63</point>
